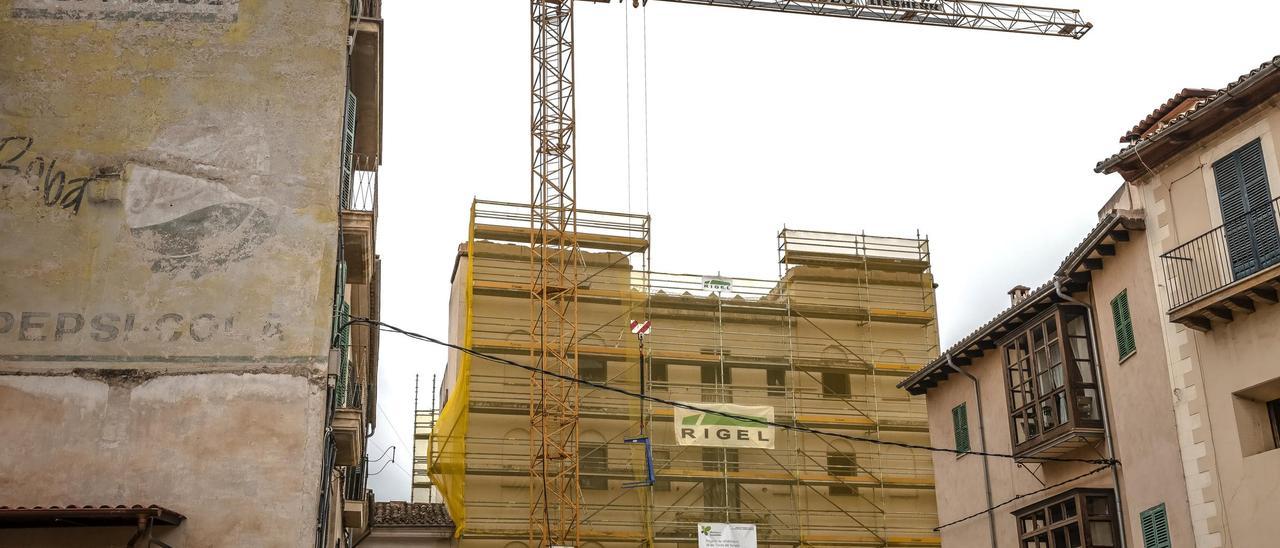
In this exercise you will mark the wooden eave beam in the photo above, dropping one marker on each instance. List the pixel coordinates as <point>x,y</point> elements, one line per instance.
<point>1119,235</point>
<point>1106,250</point>
<point>1264,293</point>
<point>1092,264</point>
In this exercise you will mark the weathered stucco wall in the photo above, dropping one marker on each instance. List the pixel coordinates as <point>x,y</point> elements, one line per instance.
<point>168,176</point>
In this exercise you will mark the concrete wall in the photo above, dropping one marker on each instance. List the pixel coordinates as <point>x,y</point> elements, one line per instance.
<point>1230,485</point>
<point>1140,397</point>
<point>168,179</point>
<point>960,484</point>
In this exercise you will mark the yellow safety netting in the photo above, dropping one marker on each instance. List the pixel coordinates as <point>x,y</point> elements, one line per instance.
<point>448,449</point>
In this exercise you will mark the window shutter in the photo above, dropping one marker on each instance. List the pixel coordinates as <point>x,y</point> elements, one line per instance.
<point>1155,528</point>
<point>344,352</point>
<point>1248,216</point>
<point>348,149</point>
<point>339,299</point>
<point>960,420</point>
<point>1120,316</point>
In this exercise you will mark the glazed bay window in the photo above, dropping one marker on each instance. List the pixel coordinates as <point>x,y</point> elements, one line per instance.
<point>1051,383</point>
<point>1081,518</point>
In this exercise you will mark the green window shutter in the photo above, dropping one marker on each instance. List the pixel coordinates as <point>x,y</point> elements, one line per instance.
<point>960,420</point>
<point>1155,528</point>
<point>1123,324</point>
<point>339,299</point>
<point>344,351</point>
<point>348,148</point>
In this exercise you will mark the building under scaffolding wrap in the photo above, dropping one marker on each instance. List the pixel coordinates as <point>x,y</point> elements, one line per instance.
<point>849,317</point>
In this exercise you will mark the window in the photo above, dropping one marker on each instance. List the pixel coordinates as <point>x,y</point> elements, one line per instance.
<point>1124,324</point>
<point>1081,518</point>
<point>1049,377</point>
<point>836,385</point>
<point>1273,409</point>
<point>658,372</point>
<point>661,459</point>
<point>776,379</point>
<point>842,464</point>
<point>1248,214</point>
<point>960,422</point>
<point>594,465</point>
<point>593,369</point>
<point>1155,528</point>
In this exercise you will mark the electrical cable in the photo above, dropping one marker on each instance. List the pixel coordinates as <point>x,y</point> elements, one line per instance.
<point>796,428</point>
<point>391,449</point>
<point>1022,496</point>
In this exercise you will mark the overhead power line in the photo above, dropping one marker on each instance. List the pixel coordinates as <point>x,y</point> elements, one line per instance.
<point>1023,496</point>
<point>1105,462</point>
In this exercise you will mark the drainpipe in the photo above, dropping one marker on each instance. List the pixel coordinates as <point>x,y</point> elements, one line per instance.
<point>982,438</point>
<point>1102,401</point>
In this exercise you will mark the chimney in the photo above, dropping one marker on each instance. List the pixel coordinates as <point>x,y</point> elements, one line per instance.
<point>1018,293</point>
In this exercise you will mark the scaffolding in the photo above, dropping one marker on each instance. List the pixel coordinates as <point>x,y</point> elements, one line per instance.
<point>824,345</point>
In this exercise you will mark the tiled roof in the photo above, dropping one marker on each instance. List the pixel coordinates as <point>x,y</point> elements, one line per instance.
<point>411,514</point>
<point>1110,223</point>
<point>1151,124</point>
<point>1219,100</point>
<point>87,515</point>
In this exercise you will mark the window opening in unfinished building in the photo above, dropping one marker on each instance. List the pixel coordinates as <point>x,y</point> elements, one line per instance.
<point>842,463</point>
<point>594,462</point>
<point>836,385</point>
<point>776,379</point>
<point>593,369</point>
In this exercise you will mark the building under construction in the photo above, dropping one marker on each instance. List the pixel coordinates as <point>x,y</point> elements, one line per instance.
<point>849,316</point>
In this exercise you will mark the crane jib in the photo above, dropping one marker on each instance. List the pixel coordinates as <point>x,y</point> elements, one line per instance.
<point>899,4</point>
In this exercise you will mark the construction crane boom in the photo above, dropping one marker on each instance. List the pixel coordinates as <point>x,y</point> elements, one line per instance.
<point>939,13</point>
<point>555,255</point>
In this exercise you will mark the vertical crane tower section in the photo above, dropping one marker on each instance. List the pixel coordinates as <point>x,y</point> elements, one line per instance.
<point>555,255</point>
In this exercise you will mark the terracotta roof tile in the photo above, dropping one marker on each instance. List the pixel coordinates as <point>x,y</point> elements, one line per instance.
<point>1213,100</point>
<point>411,514</point>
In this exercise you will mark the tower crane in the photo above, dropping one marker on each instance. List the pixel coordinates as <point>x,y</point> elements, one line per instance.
<point>555,254</point>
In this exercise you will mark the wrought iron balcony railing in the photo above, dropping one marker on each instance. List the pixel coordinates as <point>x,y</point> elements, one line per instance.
<point>1238,249</point>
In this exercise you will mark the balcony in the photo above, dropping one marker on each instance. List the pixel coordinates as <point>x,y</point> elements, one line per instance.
<point>1226,271</point>
<point>358,199</point>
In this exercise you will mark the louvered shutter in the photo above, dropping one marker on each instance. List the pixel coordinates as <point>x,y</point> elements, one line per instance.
<point>1234,222</point>
<point>1248,216</point>
<point>1155,528</point>
<point>348,149</point>
<point>339,299</point>
<point>344,351</point>
<point>960,420</point>
<point>1261,212</point>
<point>1125,342</point>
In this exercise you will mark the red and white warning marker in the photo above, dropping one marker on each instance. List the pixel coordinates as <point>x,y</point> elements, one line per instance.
<point>641,328</point>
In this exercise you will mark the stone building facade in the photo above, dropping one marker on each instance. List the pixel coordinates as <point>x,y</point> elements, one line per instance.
<point>180,184</point>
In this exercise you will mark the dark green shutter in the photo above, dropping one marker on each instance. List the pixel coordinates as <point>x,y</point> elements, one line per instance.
<point>348,148</point>
<point>1155,528</point>
<point>344,356</point>
<point>1248,216</point>
<point>339,299</point>
<point>1124,324</point>
<point>960,419</point>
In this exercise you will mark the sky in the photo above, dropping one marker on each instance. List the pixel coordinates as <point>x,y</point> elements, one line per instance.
<point>985,142</point>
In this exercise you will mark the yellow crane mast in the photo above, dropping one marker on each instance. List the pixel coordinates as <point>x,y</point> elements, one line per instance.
<point>555,497</point>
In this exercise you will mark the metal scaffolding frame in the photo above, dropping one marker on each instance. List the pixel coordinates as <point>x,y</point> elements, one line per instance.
<point>852,307</point>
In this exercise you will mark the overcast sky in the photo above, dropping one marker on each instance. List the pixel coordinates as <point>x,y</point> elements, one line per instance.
<point>985,142</point>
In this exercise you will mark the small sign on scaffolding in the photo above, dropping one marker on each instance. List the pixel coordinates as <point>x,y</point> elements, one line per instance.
<point>726,535</point>
<point>716,283</point>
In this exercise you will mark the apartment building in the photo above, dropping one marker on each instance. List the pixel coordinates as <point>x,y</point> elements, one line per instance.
<point>1152,345</point>
<point>188,193</point>
<point>822,346</point>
